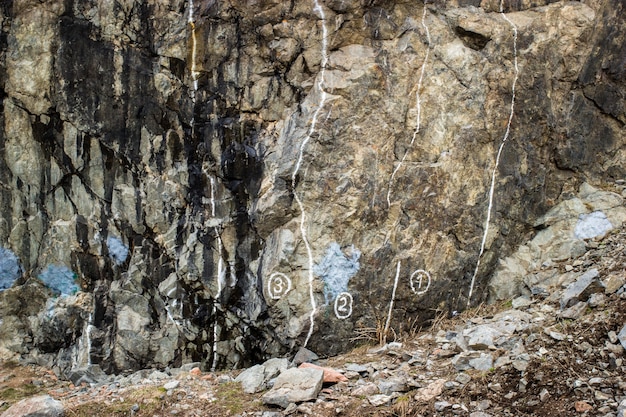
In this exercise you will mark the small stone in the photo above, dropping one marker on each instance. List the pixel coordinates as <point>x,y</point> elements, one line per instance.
<point>482,363</point>
<point>621,336</point>
<point>463,378</point>
<point>379,399</point>
<point>582,406</point>
<point>291,408</point>
<point>134,408</point>
<point>171,385</point>
<point>431,391</point>
<point>601,396</point>
<point>365,390</point>
<point>555,335</point>
<point>353,367</point>
<point>597,300</point>
<point>451,385</point>
<point>575,311</point>
<point>195,371</point>
<point>483,405</point>
<point>442,405</point>
<point>521,302</point>
<point>479,414</point>
<point>521,387</point>
<point>391,385</point>
<point>569,268</point>
<point>495,386</point>
<point>612,336</point>
<point>544,395</point>
<point>582,288</point>
<point>304,355</point>
<point>596,381</point>
<point>613,283</point>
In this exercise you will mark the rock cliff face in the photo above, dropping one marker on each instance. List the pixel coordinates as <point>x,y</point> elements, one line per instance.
<point>226,181</point>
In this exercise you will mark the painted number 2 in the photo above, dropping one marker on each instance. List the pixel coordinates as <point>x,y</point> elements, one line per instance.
<point>343,305</point>
<point>278,285</point>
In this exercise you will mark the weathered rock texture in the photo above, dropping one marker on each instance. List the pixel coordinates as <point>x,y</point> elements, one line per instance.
<point>196,165</point>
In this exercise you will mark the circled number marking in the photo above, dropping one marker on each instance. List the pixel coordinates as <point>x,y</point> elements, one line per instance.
<point>422,279</point>
<point>278,285</point>
<point>343,305</point>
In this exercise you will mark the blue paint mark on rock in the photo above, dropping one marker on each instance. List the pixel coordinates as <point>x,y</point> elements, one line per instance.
<point>59,279</point>
<point>10,269</point>
<point>336,269</point>
<point>117,250</point>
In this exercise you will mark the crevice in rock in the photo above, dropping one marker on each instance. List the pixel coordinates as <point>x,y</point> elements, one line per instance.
<point>473,40</point>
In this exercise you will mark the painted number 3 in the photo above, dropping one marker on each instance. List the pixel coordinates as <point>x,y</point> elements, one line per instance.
<point>343,305</point>
<point>278,285</point>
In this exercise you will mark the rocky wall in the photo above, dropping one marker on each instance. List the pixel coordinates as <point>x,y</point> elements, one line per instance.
<point>228,181</point>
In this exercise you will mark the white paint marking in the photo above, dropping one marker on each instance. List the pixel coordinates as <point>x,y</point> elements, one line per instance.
<point>421,274</point>
<point>278,285</point>
<point>418,101</point>
<point>495,168</point>
<point>320,86</point>
<point>343,305</point>
<point>393,297</point>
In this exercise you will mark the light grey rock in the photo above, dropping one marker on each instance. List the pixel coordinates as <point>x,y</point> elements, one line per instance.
<point>252,379</point>
<point>621,336</point>
<point>463,378</point>
<point>621,408</point>
<point>482,337</point>
<point>273,367</point>
<point>582,288</point>
<point>442,405</point>
<point>554,334</point>
<point>295,385</point>
<point>171,385</point>
<point>480,414</point>
<point>390,385</point>
<point>575,311</point>
<point>40,406</point>
<point>521,301</point>
<point>379,399</point>
<point>92,374</point>
<point>366,390</point>
<point>483,363</point>
<point>353,367</point>
<point>304,355</point>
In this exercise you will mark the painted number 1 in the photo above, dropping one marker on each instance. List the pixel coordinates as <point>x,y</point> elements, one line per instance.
<point>420,282</point>
<point>343,305</point>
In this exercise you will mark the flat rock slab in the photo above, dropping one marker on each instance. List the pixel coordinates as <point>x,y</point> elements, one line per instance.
<point>581,289</point>
<point>41,406</point>
<point>295,385</point>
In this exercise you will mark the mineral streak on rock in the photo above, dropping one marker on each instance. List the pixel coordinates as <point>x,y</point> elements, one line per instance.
<point>138,150</point>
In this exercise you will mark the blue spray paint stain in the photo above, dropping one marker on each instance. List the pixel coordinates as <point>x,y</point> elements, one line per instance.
<point>10,269</point>
<point>336,269</point>
<point>117,250</point>
<point>59,279</point>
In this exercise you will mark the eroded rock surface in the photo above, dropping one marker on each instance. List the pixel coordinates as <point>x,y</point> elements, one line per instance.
<point>228,181</point>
